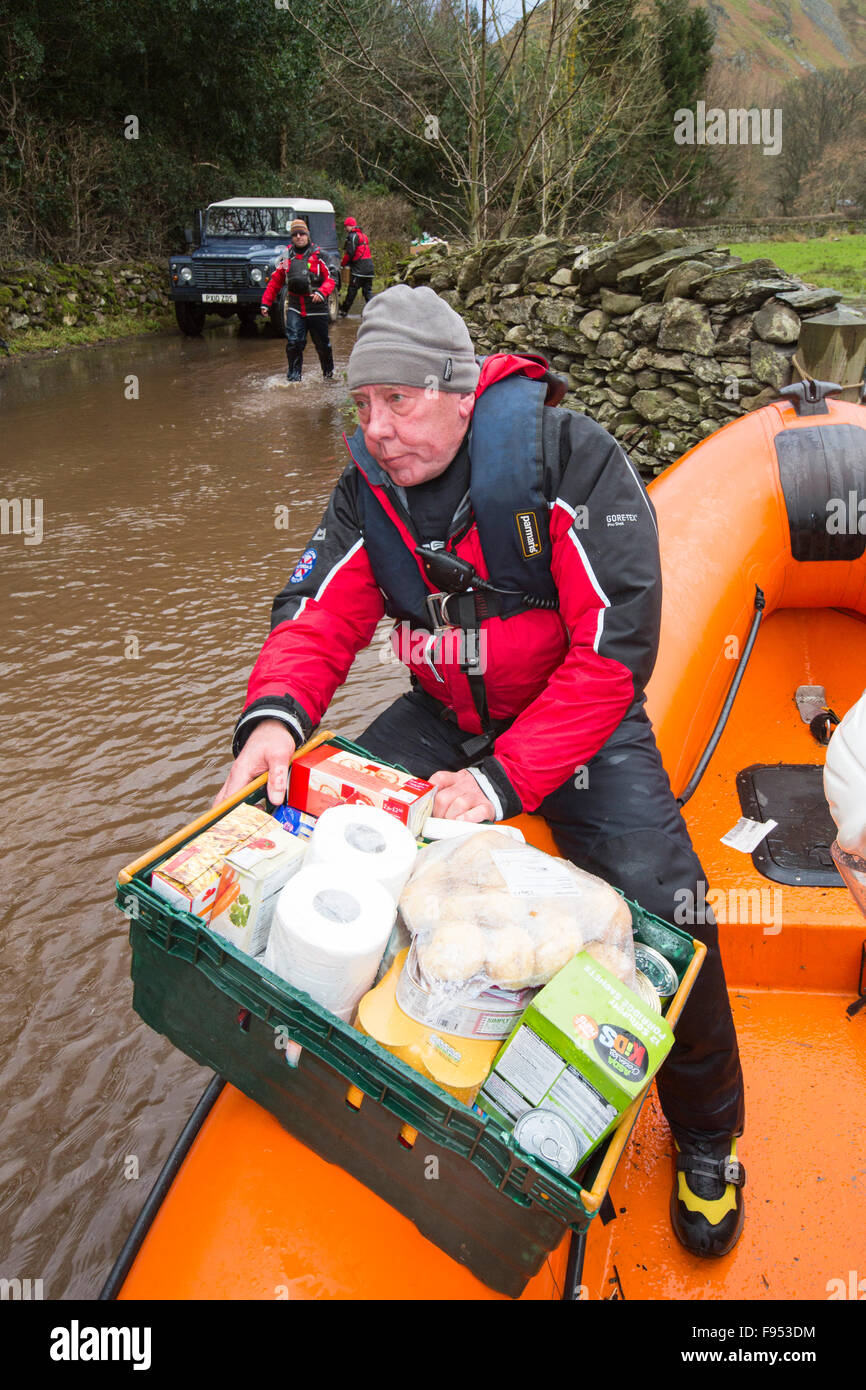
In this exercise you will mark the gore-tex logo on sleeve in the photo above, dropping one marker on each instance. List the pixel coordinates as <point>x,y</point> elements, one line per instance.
<point>620,518</point>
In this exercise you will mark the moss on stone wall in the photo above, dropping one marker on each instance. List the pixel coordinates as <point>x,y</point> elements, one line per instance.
<point>37,298</point>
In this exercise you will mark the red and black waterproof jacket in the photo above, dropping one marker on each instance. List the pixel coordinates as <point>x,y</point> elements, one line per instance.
<point>357,253</point>
<point>320,279</point>
<point>565,677</point>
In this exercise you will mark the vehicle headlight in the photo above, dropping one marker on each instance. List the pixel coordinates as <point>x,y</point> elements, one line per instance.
<point>185,274</point>
<point>256,275</point>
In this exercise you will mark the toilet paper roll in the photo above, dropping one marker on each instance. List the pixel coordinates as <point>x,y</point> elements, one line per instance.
<point>363,838</point>
<point>331,926</point>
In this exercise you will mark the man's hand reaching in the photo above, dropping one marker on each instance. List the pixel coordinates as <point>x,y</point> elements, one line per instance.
<point>459,797</point>
<point>269,748</point>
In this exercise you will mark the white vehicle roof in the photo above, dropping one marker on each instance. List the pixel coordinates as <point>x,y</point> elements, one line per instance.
<point>299,204</point>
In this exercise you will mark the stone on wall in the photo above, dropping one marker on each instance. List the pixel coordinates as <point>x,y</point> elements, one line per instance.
<point>684,278</point>
<point>643,325</point>
<point>685,325</point>
<point>657,268</point>
<point>810,301</point>
<point>771,364</point>
<point>777,323</point>
<point>613,303</point>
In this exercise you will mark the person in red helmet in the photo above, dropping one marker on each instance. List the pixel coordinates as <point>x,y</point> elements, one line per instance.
<point>308,283</point>
<point>357,257</point>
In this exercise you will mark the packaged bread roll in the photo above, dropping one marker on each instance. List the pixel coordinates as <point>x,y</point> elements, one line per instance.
<point>489,911</point>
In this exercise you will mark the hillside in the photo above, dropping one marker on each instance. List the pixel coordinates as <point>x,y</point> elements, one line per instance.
<point>785,38</point>
<point>773,39</point>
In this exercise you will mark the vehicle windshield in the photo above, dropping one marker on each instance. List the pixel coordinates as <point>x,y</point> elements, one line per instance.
<point>253,222</point>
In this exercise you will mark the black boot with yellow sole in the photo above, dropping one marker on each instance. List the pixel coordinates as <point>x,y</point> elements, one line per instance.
<point>707,1210</point>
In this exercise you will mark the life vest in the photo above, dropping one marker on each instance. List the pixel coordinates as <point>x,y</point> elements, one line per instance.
<point>301,280</point>
<point>362,250</point>
<point>510,510</point>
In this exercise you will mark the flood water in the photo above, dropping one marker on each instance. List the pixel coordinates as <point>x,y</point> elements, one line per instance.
<point>129,629</point>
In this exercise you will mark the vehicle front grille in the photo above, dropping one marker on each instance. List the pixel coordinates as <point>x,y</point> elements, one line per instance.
<point>222,275</point>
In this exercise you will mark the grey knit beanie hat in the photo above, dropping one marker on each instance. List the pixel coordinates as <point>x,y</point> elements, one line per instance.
<point>411,337</point>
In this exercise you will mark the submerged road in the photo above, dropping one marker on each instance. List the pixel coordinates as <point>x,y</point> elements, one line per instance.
<point>166,487</point>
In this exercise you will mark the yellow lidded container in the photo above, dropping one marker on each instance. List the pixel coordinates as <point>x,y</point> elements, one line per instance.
<point>459,1065</point>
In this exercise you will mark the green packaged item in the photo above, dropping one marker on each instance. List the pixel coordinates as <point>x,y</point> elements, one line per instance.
<point>583,1050</point>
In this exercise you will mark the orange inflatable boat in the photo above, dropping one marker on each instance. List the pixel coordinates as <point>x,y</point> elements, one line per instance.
<point>763,542</point>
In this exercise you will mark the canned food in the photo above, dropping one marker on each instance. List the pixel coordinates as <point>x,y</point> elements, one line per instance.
<point>547,1135</point>
<point>658,970</point>
<point>491,1014</point>
<point>647,991</point>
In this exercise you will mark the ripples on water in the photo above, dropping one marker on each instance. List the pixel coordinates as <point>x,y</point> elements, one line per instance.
<point>128,636</point>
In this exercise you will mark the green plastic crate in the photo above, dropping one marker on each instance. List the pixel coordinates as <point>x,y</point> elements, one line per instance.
<point>226,1011</point>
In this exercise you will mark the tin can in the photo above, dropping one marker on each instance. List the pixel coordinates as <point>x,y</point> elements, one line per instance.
<point>658,971</point>
<point>491,1014</point>
<point>647,991</point>
<point>547,1135</point>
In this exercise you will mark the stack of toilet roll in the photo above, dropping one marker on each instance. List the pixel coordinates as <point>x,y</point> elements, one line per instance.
<point>334,919</point>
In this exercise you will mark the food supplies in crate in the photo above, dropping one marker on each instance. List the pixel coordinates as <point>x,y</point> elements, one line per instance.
<point>252,876</point>
<point>585,1048</point>
<point>329,776</point>
<point>190,878</point>
<point>486,911</point>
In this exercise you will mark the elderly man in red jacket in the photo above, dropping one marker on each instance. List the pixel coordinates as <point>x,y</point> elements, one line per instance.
<point>529,620</point>
<point>308,283</point>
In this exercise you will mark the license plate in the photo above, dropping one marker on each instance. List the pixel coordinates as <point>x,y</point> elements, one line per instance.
<point>219,299</point>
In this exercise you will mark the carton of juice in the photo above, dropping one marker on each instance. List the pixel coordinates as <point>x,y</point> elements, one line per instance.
<point>190,878</point>
<point>252,876</point>
<point>584,1048</point>
<point>328,776</point>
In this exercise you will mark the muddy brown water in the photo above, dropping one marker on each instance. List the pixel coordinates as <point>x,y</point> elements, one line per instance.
<point>129,630</point>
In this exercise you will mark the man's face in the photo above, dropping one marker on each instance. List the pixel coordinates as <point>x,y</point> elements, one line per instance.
<point>300,241</point>
<point>413,433</point>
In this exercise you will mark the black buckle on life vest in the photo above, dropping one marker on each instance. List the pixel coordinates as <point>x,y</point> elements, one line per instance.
<point>466,611</point>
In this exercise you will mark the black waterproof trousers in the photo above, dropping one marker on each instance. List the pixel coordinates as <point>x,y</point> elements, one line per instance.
<point>297,327</point>
<point>364,283</point>
<point>618,819</point>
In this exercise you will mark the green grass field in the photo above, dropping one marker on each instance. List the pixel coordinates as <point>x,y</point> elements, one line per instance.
<point>839,262</point>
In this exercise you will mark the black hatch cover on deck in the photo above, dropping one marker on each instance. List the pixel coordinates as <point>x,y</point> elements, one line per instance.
<point>797,851</point>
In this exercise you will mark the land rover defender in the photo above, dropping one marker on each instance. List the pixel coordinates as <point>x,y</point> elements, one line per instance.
<point>233,251</point>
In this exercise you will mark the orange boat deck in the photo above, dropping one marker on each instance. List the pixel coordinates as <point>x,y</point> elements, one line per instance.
<point>790,981</point>
<point>290,1226</point>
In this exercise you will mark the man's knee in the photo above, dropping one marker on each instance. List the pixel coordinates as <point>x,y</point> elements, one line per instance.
<point>652,868</point>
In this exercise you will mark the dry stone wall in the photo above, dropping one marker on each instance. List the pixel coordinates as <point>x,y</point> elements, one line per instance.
<point>661,339</point>
<point>37,295</point>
